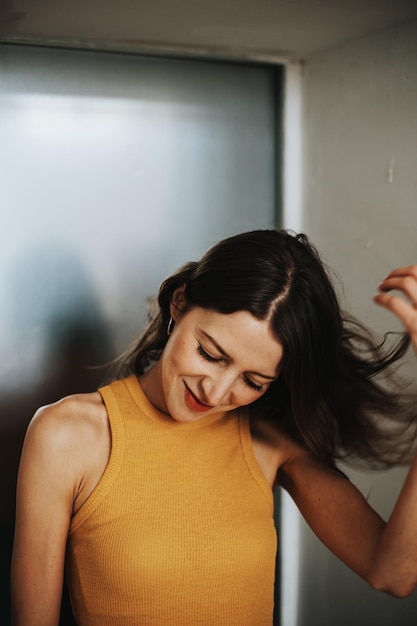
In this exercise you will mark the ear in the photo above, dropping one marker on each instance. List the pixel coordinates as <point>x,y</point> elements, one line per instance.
<point>178,303</point>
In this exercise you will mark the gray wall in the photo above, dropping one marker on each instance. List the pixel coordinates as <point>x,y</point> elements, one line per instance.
<point>360,208</point>
<point>114,170</point>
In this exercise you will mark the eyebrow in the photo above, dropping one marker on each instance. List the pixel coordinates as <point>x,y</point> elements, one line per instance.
<point>224,353</point>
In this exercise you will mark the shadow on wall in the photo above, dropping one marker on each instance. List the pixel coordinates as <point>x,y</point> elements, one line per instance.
<point>54,341</point>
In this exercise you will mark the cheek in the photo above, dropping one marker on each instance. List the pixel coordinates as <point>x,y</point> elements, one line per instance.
<point>248,396</point>
<point>180,356</point>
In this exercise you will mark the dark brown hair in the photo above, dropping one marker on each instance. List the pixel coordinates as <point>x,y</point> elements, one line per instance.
<point>328,395</point>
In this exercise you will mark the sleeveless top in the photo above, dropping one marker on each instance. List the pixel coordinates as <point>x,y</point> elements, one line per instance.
<point>179,531</point>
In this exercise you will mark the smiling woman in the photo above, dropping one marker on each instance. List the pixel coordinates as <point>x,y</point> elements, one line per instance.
<point>213,362</point>
<point>158,487</point>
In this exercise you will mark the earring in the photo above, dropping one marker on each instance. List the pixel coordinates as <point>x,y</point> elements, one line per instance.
<point>171,324</point>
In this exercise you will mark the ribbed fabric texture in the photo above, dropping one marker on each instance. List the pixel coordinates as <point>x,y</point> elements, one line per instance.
<point>179,531</point>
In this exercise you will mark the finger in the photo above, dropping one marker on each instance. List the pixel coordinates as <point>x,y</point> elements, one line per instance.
<point>402,309</point>
<point>400,273</point>
<point>409,270</point>
<point>407,284</point>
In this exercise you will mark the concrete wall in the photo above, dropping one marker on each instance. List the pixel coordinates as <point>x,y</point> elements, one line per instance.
<point>360,208</point>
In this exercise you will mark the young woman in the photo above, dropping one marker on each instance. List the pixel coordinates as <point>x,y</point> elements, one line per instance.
<point>156,491</point>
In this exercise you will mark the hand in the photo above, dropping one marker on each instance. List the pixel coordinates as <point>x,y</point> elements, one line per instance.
<point>403,279</point>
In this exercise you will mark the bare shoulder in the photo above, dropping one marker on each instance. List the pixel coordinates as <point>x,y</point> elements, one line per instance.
<point>71,437</point>
<point>273,448</point>
<point>71,419</point>
<point>64,455</point>
<point>271,435</point>
<point>285,459</point>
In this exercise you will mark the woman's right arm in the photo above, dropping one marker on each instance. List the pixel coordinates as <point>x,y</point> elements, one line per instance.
<point>52,475</point>
<point>43,511</point>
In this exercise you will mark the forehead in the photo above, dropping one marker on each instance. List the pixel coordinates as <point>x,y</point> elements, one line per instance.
<point>241,336</point>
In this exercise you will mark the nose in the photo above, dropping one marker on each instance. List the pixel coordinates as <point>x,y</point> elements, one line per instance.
<point>218,389</point>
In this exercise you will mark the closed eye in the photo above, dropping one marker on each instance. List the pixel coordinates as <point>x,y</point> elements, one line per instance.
<point>213,359</point>
<point>208,357</point>
<point>253,385</point>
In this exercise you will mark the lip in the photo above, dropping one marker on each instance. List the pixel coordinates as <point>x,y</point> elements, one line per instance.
<point>194,403</point>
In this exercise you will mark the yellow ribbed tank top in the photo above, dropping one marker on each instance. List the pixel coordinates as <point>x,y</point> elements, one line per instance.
<point>179,531</point>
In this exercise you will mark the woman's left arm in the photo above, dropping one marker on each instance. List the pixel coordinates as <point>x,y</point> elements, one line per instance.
<point>384,554</point>
<point>397,548</point>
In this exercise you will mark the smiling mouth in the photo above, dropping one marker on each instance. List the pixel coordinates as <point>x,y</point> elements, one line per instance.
<point>194,403</point>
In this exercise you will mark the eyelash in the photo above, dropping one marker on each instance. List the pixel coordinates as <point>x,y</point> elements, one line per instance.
<point>212,359</point>
<point>207,356</point>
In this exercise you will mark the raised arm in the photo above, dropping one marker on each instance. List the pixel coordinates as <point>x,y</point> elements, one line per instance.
<point>384,554</point>
<point>397,553</point>
<point>62,459</point>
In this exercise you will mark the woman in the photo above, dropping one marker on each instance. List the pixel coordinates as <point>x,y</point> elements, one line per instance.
<point>157,490</point>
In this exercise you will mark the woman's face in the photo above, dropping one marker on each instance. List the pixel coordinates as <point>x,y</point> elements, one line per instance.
<point>213,362</point>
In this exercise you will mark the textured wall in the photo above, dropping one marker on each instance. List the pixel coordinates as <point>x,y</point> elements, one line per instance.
<point>360,208</point>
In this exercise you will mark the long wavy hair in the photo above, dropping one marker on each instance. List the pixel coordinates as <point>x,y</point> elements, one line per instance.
<point>329,395</point>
